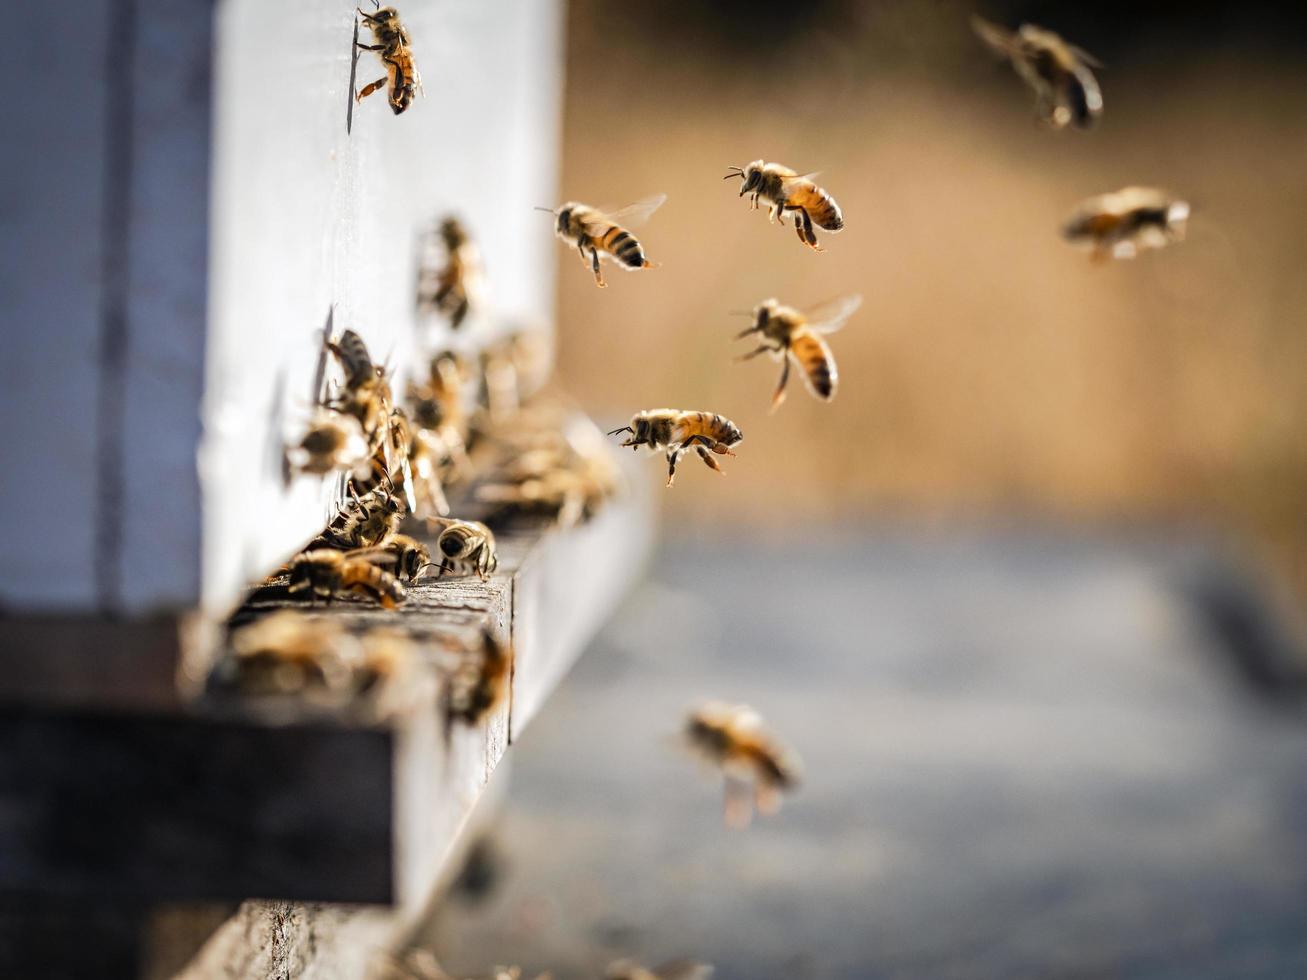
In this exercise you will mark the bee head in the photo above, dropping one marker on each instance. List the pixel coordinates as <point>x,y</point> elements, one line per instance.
<point>565,217</point>
<point>454,543</point>
<point>763,312</point>
<point>452,233</point>
<point>752,177</point>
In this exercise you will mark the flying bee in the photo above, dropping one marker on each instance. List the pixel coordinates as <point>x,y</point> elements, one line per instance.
<point>1065,87</point>
<point>676,970</point>
<point>678,431</point>
<point>786,190</point>
<point>465,548</point>
<point>326,573</point>
<point>1125,222</point>
<point>367,396</point>
<point>393,47</point>
<point>331,442</point>
<point>458,287</point>
<point>756,766</point>
<point>791,335</point>
<point>478,681</point>
<point>367,521</point>
<point>597,235</point>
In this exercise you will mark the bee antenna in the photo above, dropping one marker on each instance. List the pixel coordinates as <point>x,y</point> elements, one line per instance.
<point>625,428</point>
<point>740,312</point>
<point>538,208</point>
<point>735,172</point>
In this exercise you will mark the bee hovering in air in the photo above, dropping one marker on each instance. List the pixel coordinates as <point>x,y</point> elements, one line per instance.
<point>1125,222</point>
<point>393,47</point>
<point>676,970</point>
<point>597,235</point>
<point>791,335</point>
<point>331,442</point>
<point>458,287</point>
<point>678,431</point>
<point>757,767</point>
<point>1066,89</point>
<point>326,573</point>
<point>785,191</point>
<point>466,548</point>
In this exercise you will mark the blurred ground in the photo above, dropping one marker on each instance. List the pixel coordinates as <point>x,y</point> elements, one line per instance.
<point>993,369</point>
<point>1025,757</point>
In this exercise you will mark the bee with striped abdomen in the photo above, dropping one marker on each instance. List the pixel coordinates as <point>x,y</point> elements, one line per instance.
<point>678,431</point>
<point>458,287</point>
<point>402,555</point>
<point>366,395</point>
<point>756,766</point>
<point>788,334</point>
<point>365,521</point>
<point>465,548</point>
<point>326,573</point>
<point>597,235</point>
<point>1059,73</point>
<point>394,48</point>
<point>1125,222</point>
<point>786,190</point>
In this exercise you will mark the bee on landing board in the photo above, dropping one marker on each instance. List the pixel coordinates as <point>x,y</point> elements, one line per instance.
<point>465,548</point>
<point>393,47</point>
<point>403,556</point>
<point>678,431</point>
<point>786,190</point>
<point>676,970</point>
<point>326,573</point>
<point>478,681</point>
<point>366,521</point>
<point>456,288</point>
<point>1125,222</point>
<point>597,235</point>
<point>791,335</point>
<point>1059,73</point>
<point>756,766</point>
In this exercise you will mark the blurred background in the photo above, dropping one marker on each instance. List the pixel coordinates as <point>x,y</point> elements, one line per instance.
<point>987,593</point>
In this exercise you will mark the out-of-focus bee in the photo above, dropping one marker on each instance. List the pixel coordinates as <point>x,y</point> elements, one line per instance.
<point>326,573</point>
<point>1066,89</point>
<point>421,964</point>
<point>757,767</point>
<point>678,431</point>
<point>570,479</point>
<point>331,442</point>
<point>465,548</point>
<point>788,334</point>
<point>390,463</point>
<point>458,287</point>
<point>428,457</point>
<point>364,522</point>
<point>597,235</point>
<point>478,681</point>
<point>786,190</point>
<point>287,652</point>
<point>385,654</point>
<point>1127,221</point>
<point>367,395</point>
<point>394,49</point>
<point>676,970</point>
<point>439,405</point>
<point>512,370</point>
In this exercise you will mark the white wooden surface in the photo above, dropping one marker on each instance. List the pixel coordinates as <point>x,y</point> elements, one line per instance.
<point>181,208</point>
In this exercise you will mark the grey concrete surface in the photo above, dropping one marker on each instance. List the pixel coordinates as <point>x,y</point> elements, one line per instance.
<point>1025,757</point>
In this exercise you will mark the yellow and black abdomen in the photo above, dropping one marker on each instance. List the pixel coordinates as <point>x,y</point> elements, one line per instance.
<point>373,582</point>
<point>813,356</point>
<point>624,247</point>
<point>819,206</point>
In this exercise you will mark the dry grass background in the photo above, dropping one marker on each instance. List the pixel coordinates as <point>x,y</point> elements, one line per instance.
<point>993,370</point>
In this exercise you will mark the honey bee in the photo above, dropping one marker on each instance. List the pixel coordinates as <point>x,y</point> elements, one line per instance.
<point>367,396</point>
<point>598,235</point>
<point>465,548</point>
<point>331,442</point>
<point>676,970</point>
<point>678,431</point>
<point>756,766</point>
<point>395,51</point>
<point>405,556</point>
<point>438,406</point>
<point>788,334</point>
<point>384,655</point>
<point>427,456</point>
<point>287,652</point>
<point>478,681</point>
<point>367,521</point>
<point>512,370</point>
<point>1066,89</point>
<point>1123,223</point>
<point>786,190</point>
<point>459,286</point>
<point>325,573</point>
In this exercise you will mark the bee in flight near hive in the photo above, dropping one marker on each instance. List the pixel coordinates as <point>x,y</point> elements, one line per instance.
<point>1066,89</point>
<point>678,431</point>
<point>325,573</point>
<point>393,47</point>
<point>786,190</point>
<point>597,235</point>
<point>465,548</point>
<point>756,766</point>
<point>790,335</point>
<point>1123,223</point>
<point>331,442</point>
<point>456,288</point>
<point>676,970</point>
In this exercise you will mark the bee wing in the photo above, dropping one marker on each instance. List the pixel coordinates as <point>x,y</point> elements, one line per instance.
<point>830,316</point>
<point>998,39</point>
<point>374,556</point>
<point>639,212</point>
<point>1085,56</point>
<point>799,178</point>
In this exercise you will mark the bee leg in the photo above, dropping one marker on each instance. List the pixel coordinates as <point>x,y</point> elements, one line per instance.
<point>707,458</point>
<point>369,47</point>
<point>594,264</point>
<point>753,353</point>
<point>779,396</point>
<point>369,89</point>
<point>809,238</point>
<point>672,456</point>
